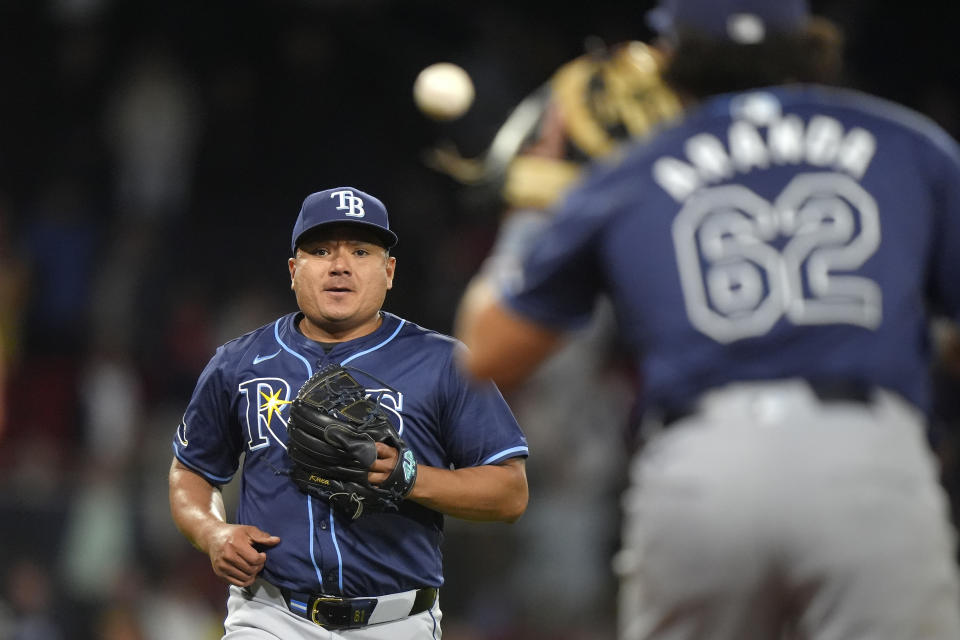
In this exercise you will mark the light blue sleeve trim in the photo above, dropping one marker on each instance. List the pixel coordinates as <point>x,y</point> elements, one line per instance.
<point>363,353</point>
<point>276,334</point>
<point>509,453</point>
<point>313,557</point>
<point>195,469</point>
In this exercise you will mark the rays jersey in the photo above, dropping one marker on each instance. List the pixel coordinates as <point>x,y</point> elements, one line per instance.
<point>239,410</point>
<point>786,232</point>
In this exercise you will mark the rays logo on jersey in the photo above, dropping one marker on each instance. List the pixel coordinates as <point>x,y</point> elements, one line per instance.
<point>266,408</point>
<point>266,404</point>
<point>391,401</point>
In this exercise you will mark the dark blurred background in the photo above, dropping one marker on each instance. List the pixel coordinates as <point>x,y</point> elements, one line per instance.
<point>153,157</point>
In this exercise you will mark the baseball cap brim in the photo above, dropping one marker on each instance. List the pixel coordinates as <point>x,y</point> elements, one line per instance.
<point>386,238</point>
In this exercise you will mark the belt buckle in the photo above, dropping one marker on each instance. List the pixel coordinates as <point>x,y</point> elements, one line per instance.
<point>332,612</point>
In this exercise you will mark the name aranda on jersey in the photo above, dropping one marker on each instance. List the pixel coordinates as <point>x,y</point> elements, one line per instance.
<point>820,141</point>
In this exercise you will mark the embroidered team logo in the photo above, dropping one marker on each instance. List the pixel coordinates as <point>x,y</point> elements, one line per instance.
<point>267,400</point>
<point>271,403</point>
<point>267,410</point>
<point>391,401</point>
<point>350,204</point>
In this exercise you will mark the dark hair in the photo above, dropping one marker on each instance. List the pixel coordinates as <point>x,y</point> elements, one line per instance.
<point>701,66</point>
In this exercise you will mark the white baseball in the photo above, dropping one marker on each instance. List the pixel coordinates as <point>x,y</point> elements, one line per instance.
<point>443,91</point>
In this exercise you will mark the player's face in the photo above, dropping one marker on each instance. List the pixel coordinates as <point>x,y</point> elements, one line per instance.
<point>340,277</point>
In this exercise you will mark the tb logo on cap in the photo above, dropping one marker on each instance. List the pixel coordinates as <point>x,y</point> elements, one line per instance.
<point>350,204</point>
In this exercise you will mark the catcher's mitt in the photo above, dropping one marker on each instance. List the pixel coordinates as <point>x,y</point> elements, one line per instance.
<point>605,97</point>
<point>332,431</point>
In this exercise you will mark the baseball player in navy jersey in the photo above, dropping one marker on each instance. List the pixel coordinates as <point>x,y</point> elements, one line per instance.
<point>775,258</point>
<point>293,563</point>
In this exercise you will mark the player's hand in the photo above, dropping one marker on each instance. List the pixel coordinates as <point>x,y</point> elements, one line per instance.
<point>387,458</point>
<point>236,552</point>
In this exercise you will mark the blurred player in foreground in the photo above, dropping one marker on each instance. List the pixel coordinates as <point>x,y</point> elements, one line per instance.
<point>772,258</point>
<point>298,568</point>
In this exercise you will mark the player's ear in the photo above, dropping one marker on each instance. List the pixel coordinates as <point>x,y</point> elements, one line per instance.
<point>292,266</point>
<point>391,268</point>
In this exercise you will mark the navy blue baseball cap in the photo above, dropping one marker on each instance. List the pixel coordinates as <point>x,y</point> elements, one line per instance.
<point>342,205</point>
<point>740,21</point>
